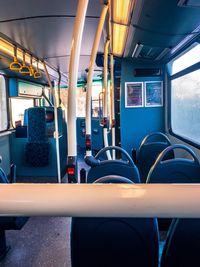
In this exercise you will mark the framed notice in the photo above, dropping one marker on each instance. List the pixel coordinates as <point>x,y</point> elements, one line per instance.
<point>154,94</point>
<point>134,95</point>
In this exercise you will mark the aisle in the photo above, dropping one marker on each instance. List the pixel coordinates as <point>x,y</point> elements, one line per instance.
<point>42,242</point>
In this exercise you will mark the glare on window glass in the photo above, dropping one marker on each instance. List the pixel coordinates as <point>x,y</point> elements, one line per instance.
<point>185,110</point>
<point>186,60</point>
<point>18,106</point>
<point>96,91</point>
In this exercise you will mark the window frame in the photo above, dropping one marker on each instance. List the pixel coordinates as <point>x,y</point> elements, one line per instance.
<point>179,74</point>
<point>7,103</point>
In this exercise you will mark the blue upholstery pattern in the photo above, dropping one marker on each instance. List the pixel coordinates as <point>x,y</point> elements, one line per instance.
<point>114,242</point>
<point>36,125</point>
<point>37,147</point>
<point>37,154</point>
<point>182,245</point>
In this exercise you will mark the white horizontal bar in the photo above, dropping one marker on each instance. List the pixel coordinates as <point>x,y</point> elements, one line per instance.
<point>109,200</point>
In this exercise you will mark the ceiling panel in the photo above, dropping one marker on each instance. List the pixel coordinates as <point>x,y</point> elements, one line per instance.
<point>162,24</point>
<point>24,8</point>
<point>48,37</point>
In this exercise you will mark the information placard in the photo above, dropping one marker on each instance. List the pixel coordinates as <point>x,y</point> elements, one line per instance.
<point>134,94</point>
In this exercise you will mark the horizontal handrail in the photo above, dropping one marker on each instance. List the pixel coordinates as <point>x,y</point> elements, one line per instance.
<point>101,200</point>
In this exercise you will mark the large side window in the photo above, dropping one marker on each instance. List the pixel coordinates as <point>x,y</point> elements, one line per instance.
<point>3,105</point>
<point>81,100</point>
<point>96,100</point>
<point>185,99</point>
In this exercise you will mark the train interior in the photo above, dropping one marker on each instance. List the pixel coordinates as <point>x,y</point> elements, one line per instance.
<point>156,102</point>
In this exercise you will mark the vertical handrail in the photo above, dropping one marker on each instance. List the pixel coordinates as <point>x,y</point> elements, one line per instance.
<point>90,76</point>
<point>100,107</point>
<point>112,92</point>
<point>112,100</point>
<point>59,83</point>
<point>56,123</point>
<point>105,108</point>
<point>73,76</point>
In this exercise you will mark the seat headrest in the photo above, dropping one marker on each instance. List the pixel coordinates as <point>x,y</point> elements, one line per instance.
<point>113,179</point>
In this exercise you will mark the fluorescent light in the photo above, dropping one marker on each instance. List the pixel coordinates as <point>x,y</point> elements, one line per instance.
<point>121,11</point>
<point>163,53</point>
<point>137,50</point>
<point>8,48</point>
<point>119,39</point>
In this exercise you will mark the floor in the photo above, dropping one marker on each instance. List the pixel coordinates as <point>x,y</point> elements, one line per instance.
<point>43,241</point>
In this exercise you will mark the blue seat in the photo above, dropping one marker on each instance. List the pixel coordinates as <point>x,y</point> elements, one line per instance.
<point>125,168</point>
<point>114,242</point>
<point>177,170</point>
<point>150,148</point>
<point>182,244</point>
<point>8,223</point>
<point>37,147</point>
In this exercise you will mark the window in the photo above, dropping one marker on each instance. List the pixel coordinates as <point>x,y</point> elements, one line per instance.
<point>185,106</point>
<point>81,100</point>
<point>185,95</point>
<point>3,105</point>
<point>96,93</point>
<point>18,106</point>
<point>187,59</point>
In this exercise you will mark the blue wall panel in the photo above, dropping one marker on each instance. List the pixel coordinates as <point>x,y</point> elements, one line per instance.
<point>136,123</point>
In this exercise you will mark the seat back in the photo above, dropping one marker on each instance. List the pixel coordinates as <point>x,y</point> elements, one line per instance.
<point>114,167</point>
<point>100,168</point>
<point>114,242</point>
<point>177,170</point>
<point>37,147</point>
<point>150,148</point>
<point>182,244</point>
<point>36,125</point>
<point>3,177</point>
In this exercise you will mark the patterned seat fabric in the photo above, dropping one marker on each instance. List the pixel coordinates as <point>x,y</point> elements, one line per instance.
<point>37,147</point>
<point>37,154</point>
<point>36,125</point>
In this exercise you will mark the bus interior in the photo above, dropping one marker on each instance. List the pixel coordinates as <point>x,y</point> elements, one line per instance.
<point>99,133</point>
